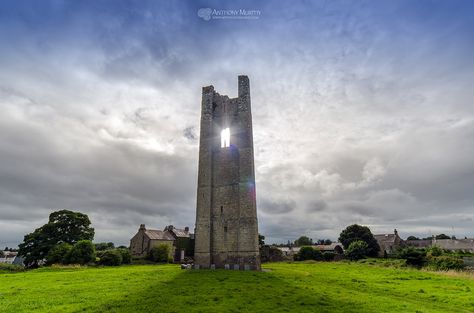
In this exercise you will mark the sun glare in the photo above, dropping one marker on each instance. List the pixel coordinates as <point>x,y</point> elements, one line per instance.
<point>225,138</point>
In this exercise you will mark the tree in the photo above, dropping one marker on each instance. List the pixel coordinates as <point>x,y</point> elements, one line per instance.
<point>261,240</point>
<point>303,241</point>
<point>159,254</point>
<point>323,242</point>
<point>308,253</point>
<point>415,257</point>
<point>329,256</point>
<point>58,253</point>
<point>2,254</point>
<point>82,252</point>
<point>357,232</point>
<point>102,246</point>
<point>413,238</point>
<point>442,236</point>
<point>111,257</point>
<point>357,250</point>
<point>126,255</point>
<point>63,227</point>
<point>305,253</point>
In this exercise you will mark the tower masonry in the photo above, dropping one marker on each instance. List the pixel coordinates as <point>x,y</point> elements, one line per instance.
<point>226,211</point>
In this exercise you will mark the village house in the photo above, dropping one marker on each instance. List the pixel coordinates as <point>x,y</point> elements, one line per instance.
<point>11,257</point>
<point>180,241</point>
<point>389,243</point>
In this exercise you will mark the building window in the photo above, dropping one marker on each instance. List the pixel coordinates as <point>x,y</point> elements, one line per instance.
<point>225,229</point>
<point>222,209</point>
<point>225,138</point>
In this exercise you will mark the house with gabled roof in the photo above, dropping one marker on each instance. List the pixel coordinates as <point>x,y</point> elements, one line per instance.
<point>180,241</point>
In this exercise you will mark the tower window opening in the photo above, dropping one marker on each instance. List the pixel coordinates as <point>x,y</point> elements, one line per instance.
<point>225,138</point>
<point>222,209</point>
<point>225,229</point>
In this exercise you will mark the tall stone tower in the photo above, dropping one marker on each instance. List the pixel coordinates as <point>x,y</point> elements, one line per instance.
<point>226,217</point>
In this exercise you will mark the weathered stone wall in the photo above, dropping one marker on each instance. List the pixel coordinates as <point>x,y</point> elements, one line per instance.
<point>226,219</point>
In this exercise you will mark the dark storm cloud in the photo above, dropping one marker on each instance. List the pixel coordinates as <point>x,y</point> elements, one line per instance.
<point>362,113</point>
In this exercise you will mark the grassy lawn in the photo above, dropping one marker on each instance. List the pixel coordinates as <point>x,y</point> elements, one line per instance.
<point>297,287</point>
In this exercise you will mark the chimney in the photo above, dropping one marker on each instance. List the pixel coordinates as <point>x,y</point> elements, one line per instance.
<point>186,229</point>
<point>395,232</point>
<point>142,227</point>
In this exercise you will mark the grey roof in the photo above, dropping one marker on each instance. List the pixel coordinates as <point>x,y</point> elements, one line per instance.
<point>156,234</point>
<point>389,238</point>
<point>181,233</point>
<point>330,247</point>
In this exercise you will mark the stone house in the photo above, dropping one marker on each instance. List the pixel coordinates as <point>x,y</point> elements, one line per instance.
<point>389,243</point>
<point>180,241</point>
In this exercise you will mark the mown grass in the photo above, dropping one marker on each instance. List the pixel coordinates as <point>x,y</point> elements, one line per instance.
<point>295,287</point>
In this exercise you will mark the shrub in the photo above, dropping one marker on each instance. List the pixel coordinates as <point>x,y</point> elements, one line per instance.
<point>357,250</point>
<point>444,263</point>
<point>126,255</point>
<point>317,255</point>
<point>305,253</point>
<point>4,267</point>
<point>329,256</point>
<point>82,252</point>
<point>58,253</point>
<point>110,257</point>
<point>434,251</point>
<point>414,257</point>
<point>308,253</point>
<point>160,253</point>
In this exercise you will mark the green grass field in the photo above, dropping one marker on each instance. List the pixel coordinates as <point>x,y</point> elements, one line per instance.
<point>296,287</point>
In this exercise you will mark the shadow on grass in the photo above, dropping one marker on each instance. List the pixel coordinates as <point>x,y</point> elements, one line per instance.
<point>222,291</point>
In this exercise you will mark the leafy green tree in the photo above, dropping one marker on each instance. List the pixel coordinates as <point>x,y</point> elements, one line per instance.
<point>414,257</point>
<point>2,254</point>
<point>357,250</point>
<point>57,254</point>
<point>63,227</point>
<point>303,241</point>
<point>261,240</point>
<point>102,246</point>
<point>160,253</point>
<point>110,257</point>
<point>413,238</point>
<point>442,236</point>
<point>305,253</point>
<point>329,256</point>
<point>308,253</point>
<point>82,252</point>
<point>357,232</point>
<point>126,255</point>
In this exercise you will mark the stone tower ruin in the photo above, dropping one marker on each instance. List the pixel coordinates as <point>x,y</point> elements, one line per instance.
<point>226,212</point>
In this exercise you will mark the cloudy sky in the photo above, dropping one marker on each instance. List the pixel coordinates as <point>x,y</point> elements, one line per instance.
<point>363,113</point>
